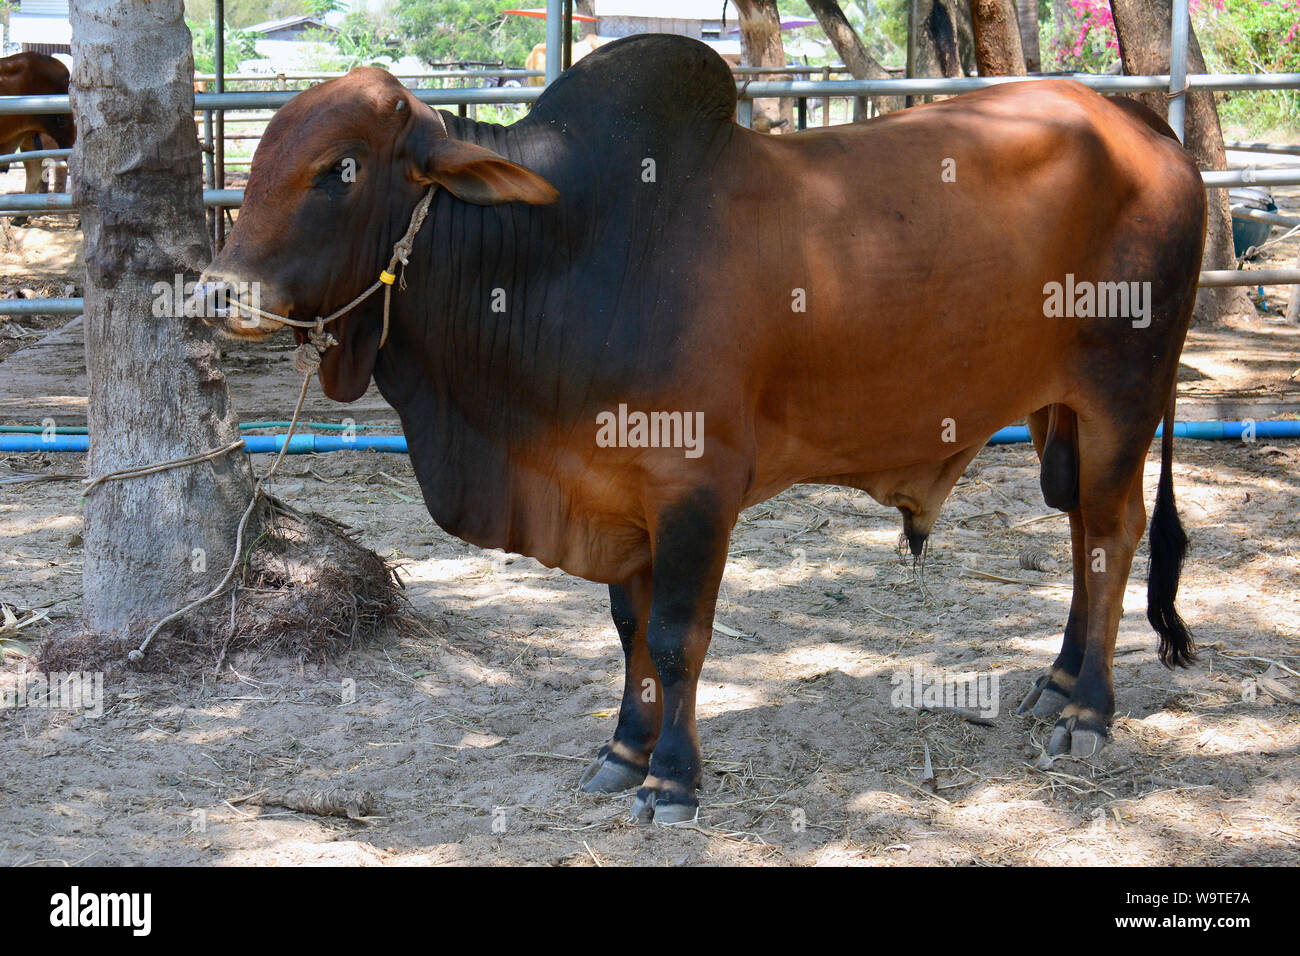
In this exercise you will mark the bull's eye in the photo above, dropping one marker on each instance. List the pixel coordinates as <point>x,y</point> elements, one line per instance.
<point>342,173</point>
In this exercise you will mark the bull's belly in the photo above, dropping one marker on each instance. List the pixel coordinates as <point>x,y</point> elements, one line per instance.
<point>878,415</point>
<point>878,436</point>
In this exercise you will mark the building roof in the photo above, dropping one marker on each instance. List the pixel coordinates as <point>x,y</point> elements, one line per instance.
<point>284,23</point>
<point>44,8</point>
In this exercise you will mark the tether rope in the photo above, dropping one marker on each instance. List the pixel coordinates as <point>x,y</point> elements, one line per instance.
<point>306,359</point>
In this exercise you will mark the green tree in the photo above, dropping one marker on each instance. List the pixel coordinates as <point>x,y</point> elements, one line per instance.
<point>362,39</point>
<point>242,13</point>
<point>444,31</point>
<point>239,46</point>
<point>321,8</point>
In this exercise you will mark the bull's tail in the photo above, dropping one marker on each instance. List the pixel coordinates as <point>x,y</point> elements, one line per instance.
<point>1168,548</point>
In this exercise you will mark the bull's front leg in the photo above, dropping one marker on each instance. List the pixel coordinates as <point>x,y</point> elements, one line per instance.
<point>690,552</point>
<point>624,762</point>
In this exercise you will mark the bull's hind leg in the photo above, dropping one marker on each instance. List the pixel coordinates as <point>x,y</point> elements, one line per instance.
<point>624,762</point>
<point>1054,432</point>
<point>1052,690</point>
<point>1112,452</point>
<point>690,551</point>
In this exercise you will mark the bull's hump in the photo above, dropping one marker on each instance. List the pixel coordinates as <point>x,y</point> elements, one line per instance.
<point>651,80</point>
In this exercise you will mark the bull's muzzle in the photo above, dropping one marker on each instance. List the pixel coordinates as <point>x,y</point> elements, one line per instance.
<point>234,307</point>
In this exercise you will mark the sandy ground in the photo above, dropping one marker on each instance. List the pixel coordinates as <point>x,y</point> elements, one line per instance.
<point>472,741</point>
<point>472,738</point>
<point>37,261</point>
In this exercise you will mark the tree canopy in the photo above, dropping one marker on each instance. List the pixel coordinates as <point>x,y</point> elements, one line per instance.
<point>445,31</point>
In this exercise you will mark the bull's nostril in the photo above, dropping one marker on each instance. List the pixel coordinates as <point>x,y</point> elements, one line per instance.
<point>212,299</point>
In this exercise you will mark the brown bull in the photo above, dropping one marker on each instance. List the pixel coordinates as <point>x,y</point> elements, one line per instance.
<point>628,318</point>
<point>33,74</point>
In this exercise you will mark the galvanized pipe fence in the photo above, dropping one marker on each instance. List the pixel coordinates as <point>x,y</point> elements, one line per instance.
<point>213,107</point>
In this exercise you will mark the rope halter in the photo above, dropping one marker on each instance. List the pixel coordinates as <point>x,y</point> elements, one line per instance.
<point>319,339</point>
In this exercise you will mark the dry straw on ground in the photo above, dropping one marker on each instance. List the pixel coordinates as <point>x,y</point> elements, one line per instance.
<point>305,589</point>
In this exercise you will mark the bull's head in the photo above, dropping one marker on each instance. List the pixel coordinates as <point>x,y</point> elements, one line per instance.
<point>61,128</point>
<point>332,187</point>
<point>53,77</point>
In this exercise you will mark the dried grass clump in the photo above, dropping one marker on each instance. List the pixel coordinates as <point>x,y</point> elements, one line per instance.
<point>306,590</point>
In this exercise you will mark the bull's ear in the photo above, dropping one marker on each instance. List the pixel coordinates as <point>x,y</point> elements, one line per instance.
<point>480,176</point>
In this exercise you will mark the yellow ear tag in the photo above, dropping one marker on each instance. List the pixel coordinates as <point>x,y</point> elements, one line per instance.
<point>387,278</point>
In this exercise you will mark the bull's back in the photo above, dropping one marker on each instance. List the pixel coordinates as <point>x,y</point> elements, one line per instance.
<point>894,272</point>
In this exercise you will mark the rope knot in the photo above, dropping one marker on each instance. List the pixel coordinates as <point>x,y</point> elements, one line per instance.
<point>306,357</point>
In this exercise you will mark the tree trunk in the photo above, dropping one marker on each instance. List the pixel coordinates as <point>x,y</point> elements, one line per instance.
<point>941,32</point>
<point>848,46</point>
<point>760,45</point>
<point>1027,18</point>
<point>588,9</point>
<point>1144,29</point>
<point>997,38</point>
<point>960,12</point>
<point>932,43</point>
<point>156,388</point>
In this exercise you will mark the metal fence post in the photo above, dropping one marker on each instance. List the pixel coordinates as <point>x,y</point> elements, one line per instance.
<point>219,139</point>
<point>209,168</point>
<point>568,33</point>
<point>1179,32</point>
<point>554,39</point>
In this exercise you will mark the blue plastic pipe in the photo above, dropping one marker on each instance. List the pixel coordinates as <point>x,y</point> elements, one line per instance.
<point>307,444</point>
<point>257,444</point>
<point>1205,431</point>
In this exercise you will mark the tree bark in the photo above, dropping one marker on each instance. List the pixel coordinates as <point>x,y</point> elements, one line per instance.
<point>1027,18</point>
<point>1145,42</point>
<point>588,9</point>
<point>848,46</point>
<point>156,388</point>
<point>932,42</point>
<point>941,30</point>
<point>960,12</point>
<point>760,45</point>
<point>997,38</point>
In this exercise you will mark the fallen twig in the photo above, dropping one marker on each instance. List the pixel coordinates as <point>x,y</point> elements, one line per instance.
<point>965,713</point>
<point>353,804</point>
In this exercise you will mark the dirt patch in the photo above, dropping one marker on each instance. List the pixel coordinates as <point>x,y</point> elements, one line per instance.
<point>41,260</point>
<point>472,741</point>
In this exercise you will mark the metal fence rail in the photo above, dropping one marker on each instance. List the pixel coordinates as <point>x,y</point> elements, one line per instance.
<point>217,104</point>
<point>766,89</point>
<point>32,154</point>
<point>23,204</point>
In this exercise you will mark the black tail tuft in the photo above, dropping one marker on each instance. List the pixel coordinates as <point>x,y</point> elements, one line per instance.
<point>1168,548</point>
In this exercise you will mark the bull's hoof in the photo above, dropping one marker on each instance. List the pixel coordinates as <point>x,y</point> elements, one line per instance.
<point>653,805</point>
<point>1045,699</point>
<point>1070,738</point>
<point>608,774</point>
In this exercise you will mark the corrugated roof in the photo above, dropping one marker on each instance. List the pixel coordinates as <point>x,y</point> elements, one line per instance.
<point>270,26</point>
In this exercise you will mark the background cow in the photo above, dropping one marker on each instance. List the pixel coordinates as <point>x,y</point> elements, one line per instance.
<point>536,59</point>
<point>861,306</point>
<point>32,74</point>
